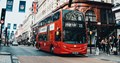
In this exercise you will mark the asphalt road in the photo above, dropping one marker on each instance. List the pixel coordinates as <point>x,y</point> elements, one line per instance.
<point>24,51</point>
<point>29,54</point>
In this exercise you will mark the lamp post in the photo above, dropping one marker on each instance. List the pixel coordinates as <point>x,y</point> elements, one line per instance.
<point>98,34</point>
<point>90,33</point>
<point>98,27</point>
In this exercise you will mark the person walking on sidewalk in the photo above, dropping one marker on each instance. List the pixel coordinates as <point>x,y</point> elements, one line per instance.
<point>98,43</point>
<point>118,44</point>
<point>111,39</point>
<point>108,46</point>
<point>0,42</point>
<point>114,50</point>
<point>97,46</point>
<point>103,44</point>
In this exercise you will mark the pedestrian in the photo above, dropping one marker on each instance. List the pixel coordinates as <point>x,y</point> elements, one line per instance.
<point>118,44</point>
<point>33,41</point>
<point>97,52</point>
<point>98,43</point>
<point>111,39</point>
<point>114,50</point>
<point>103,44</point>
<point>0,42</point>
<point>96,46</point>
<point>107,44</point>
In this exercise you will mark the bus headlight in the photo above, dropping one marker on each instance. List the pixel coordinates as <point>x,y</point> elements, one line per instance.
<point>64,46</point>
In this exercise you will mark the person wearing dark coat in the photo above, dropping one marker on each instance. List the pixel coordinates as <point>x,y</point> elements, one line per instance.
<point>118,43</point>
<point>114,49</point>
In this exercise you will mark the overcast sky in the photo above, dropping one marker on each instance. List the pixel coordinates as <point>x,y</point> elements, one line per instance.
<point>15,17</point>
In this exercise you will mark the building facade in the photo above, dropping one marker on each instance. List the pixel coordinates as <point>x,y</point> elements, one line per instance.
<point>27,27</point>
<point>116,10</point>
<point>18,34</point>
<point>14,15</point>
<point>98,12</point>
<point>24,32</point>
<point>47,6</point>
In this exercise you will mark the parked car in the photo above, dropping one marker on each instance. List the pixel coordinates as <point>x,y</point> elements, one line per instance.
<point>15,43</point>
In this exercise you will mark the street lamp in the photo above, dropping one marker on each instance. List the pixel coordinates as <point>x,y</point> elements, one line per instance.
<point>98,23</point>
<point>90,33</point>
<point>98,34</point>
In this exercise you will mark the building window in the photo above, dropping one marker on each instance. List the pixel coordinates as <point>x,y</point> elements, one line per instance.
<point>12,32</point>
<point>90,15</point>
<point>14,26</point>
<point>107,16</point>
<point>103,14</point>
<point>8,25</point>
<point>111,16</point>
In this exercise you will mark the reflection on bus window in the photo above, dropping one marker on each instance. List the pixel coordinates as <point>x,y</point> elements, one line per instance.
<point>74,37</point>
<point>72,15</point>
<point>49,20</point>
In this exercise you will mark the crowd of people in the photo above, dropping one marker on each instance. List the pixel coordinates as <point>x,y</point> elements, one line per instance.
<point>110,45</point>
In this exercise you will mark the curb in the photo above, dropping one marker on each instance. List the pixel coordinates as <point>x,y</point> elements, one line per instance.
<point>15,59</point>
<point>6,54</point>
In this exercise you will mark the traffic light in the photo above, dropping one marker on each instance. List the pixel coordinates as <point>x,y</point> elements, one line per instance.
<point>3,15</point>
<point>70,2</point>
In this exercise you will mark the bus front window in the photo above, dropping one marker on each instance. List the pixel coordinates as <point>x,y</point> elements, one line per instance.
<point>74,36</point>
<point>73,27</point>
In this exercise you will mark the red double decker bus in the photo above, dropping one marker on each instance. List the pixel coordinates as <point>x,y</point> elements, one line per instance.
<point>63,32</point>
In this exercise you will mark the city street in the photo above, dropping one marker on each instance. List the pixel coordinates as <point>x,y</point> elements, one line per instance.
<point>23,51</point>
<point>29,54</point>
<point>72,31</point>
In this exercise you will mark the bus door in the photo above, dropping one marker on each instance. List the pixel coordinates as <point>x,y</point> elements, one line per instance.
<point>51,34</point>
<point>58,35</point>
<point>40,40</point>
<point>47,43</point>
<point>43,39</point>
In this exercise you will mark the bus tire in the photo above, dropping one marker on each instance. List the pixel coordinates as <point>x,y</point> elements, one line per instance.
<point>51,49</point>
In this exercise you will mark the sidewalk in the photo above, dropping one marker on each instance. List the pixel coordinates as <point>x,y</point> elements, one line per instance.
<point>104,56</point>
<point>5,57</point>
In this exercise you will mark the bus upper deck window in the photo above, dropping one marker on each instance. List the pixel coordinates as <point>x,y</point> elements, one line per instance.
<point>56,16</point>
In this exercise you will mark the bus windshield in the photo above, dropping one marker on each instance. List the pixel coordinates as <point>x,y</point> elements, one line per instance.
<point>73,27</point>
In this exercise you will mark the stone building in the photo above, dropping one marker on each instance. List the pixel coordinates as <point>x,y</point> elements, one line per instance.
<point>98,12</point>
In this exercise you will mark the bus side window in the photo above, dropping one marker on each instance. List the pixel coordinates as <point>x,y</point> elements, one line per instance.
<point>44,37</point>
<point>49,20</point>
<point>56,16</point>
<point>40,38</point>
